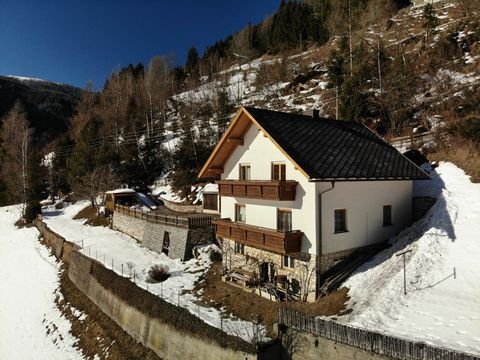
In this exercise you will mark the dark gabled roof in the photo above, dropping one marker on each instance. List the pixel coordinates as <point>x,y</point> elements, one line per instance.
<point>329,149</point>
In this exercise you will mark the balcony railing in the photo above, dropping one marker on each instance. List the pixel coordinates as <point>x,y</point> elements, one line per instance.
<point>259,189</point>
<point>280,242</point>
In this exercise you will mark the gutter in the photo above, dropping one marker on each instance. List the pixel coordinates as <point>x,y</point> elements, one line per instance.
<point>319,238</point>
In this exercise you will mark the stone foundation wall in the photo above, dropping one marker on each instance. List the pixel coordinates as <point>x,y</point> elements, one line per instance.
<point>421,204</point>
<point>304,271</point>
<point>129,225</point>
<point>328,260</point>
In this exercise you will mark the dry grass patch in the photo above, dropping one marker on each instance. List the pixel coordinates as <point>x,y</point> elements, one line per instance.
<point>248,306</point>
<point>465,154</point>
<point>92,218</point>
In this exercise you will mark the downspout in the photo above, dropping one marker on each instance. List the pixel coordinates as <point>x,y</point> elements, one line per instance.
<point>319,238</point>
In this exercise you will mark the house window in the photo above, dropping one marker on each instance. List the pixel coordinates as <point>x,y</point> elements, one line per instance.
<point>279,171</point>
<point>210,201</point>
<point>244,172</point>
<point>387,215</point>
<point>288,261</point>
<point>239,248</point>
<point>284,220</point>
<point>240,213</point>
<point>340,220</point>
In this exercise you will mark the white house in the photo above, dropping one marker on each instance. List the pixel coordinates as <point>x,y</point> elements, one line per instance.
<point>299,193</point>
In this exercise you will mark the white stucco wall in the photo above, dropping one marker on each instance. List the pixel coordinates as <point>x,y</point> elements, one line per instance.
<point>364,201</point>
<point>258,151</point>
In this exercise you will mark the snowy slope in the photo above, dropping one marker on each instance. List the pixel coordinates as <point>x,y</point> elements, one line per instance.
<point>439,308</point>
<point>29,279</point>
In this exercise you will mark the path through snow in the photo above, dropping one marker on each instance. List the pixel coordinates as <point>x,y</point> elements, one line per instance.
<point>29,277</point>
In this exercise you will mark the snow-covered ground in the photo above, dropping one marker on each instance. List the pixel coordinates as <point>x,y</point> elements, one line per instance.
<point>442,305</point>
<point>31,326</point>
<point>108,245</point>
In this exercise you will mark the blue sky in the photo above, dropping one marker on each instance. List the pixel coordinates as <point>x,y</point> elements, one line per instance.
<point>73,41</point>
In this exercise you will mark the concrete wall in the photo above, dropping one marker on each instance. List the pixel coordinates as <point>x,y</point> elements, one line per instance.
<point>60,247</point>
<point>363,201</point>
<point>311,347</point>
<point>258,151</point>
<point>165,340</point>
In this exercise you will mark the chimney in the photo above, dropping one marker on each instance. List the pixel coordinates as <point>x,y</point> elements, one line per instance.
<point>314,113</point>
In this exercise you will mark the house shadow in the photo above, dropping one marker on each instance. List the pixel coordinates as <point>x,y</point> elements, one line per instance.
<point>438,221</point>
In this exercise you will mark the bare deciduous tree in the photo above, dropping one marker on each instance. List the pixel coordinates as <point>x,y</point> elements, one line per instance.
<point>16,143</point>
<point>96,182</point>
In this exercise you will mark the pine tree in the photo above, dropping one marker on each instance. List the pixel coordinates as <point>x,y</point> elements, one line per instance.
<point>430,21</point>
<point>192,63</point>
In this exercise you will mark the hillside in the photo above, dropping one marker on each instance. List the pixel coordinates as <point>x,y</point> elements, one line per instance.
<point>443,70</point>
<point>397,70</point>
<point>49,105</point>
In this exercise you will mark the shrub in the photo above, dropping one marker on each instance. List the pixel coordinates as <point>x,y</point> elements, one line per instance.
<point>215,256</point>
<point>158,273</point>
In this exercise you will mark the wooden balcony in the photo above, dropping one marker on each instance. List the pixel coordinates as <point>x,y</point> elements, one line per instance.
<point>279,242</point>
<point>259,189</point>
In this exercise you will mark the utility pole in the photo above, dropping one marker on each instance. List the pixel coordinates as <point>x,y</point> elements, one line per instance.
<point>336,102</point>
<point>404,271</point>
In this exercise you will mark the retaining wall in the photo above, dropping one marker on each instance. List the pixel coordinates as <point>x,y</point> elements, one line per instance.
<point>152,235</point>
<point>341,341</point>
<point>178,207</point>
<point>142,315</point>
<point>421,204</point>
<point>170,331</point>
<point>129,225</point>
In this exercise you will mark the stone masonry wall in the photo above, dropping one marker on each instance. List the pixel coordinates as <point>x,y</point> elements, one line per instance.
<point>152,235</point>
<point>129,225</point>
<point>181,207</point>
<point>421,204</point>
<point>328,260</point>
<point>304,270</point>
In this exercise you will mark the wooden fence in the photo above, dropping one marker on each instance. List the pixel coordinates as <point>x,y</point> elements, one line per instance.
<point>390,346</point>
<point>416,140</point>
<point>182,221</point>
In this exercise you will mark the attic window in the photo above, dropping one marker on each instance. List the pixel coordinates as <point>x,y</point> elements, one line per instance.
<point>244,172</point>
<point>279,171</point>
